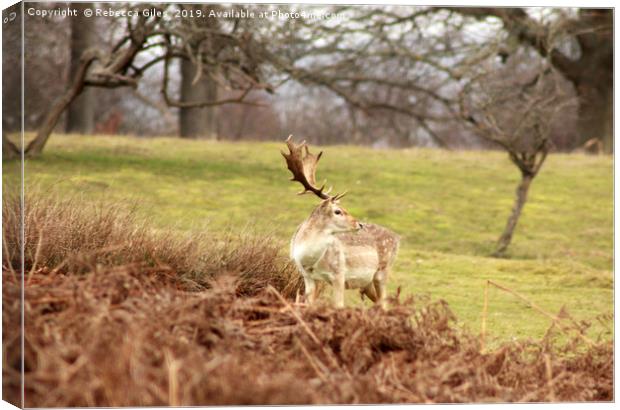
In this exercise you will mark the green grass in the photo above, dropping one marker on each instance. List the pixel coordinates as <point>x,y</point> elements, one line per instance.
<point>448,207</point>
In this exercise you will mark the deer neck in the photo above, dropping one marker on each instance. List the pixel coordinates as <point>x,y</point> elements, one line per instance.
<point>311,242</point>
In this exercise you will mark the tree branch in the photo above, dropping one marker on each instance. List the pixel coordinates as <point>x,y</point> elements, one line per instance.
<point>527,31</point>
<point>201,104</point>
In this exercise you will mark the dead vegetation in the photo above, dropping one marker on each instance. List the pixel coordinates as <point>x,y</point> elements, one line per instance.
<point>63,236</point>
<point>119,316</point>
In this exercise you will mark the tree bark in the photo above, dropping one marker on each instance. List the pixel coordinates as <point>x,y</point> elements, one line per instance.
<point>196,122</point>
<point>596,113</point>
<point>81,112</point>
<point>521,198</point>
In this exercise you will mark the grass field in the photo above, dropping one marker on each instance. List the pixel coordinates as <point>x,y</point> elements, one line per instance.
<point>448,207</point>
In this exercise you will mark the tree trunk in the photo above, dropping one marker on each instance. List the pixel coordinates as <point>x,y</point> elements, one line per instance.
<point>596,113</point>
<point>522,189</point>
<point>81,112</point>
<point>9,150</point>
<point>196,122</point>
<point>593,76</point>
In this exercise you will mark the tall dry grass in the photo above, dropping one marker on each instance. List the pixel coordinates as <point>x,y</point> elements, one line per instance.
<point>66,236</point>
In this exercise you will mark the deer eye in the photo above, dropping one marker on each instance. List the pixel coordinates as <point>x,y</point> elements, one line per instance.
<point>338,212</point>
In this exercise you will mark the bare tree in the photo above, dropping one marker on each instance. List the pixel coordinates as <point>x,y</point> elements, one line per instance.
<point>518,114</point>
<point>401,68</point>
<point>149,40</point>
<point>379,61</point>
<point>579,46</point>
<point>391,73</point>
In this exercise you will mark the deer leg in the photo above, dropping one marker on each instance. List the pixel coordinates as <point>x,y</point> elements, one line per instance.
<point>310,290</point>
<point>379,284</point>
<point>338,284</point>
<point>369,291</point>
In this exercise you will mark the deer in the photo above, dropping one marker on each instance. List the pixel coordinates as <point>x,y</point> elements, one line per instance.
<point>331,245</point>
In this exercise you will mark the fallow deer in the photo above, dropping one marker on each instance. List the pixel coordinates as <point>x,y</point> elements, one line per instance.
<point>331,245</point>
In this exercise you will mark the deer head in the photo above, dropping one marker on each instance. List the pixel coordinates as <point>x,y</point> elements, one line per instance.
<point>328,216</point>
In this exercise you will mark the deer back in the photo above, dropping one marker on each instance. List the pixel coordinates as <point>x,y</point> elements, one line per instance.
<point>383,241</point>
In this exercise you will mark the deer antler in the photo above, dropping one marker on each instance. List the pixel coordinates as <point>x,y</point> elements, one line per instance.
<point>303,167</point>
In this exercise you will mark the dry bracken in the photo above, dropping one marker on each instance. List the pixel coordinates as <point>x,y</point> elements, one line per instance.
<point>131,322</point>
